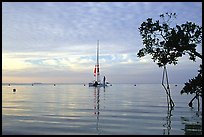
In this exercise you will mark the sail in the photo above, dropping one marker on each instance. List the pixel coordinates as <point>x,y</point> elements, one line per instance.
<point>97,63</point>
<point>97,81</point>
<point>95,71</point>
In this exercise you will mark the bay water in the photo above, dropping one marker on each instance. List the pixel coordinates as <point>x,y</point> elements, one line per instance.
<point>76,109</point>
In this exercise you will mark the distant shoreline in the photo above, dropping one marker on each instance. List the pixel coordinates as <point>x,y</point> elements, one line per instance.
<point>72,83</point>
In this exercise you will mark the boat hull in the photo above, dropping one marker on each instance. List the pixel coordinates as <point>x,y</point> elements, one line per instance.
<point>97,85</point>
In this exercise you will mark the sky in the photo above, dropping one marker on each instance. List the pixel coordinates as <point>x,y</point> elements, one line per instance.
<point>55,42</point>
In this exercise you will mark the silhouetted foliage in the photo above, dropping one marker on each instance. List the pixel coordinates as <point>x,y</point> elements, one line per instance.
<point>194,85</point>
<point>166,44</point>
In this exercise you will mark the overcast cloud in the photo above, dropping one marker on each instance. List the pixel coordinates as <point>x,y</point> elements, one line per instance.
<point>56,42</point>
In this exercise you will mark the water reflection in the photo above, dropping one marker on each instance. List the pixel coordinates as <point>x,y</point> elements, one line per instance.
<point>74,109</point>
<point>193,126</point>
<point>167,125</point>
<point>97,106</point>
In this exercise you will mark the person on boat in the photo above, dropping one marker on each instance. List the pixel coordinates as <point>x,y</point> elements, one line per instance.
<point>95,84</point>
<point>104,80</point>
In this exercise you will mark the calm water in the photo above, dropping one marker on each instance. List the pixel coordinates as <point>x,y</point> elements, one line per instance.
<point>78,109</point>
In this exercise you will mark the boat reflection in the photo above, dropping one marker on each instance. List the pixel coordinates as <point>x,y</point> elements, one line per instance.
<point>97,108</point>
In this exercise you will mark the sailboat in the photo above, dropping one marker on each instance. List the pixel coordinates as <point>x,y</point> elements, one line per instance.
<point>97,82</point>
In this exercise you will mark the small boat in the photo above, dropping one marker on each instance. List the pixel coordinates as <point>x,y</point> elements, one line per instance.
<point>97,82</point>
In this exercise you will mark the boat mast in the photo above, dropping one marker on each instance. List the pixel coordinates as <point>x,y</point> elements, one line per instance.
<point>97,63</point>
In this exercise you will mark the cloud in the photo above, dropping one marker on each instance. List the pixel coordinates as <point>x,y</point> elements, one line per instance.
<point>56,26</point>
<point>36,27</point>
<point>48,39</point>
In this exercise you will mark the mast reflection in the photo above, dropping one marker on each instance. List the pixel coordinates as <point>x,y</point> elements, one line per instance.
<point>97,108</point>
